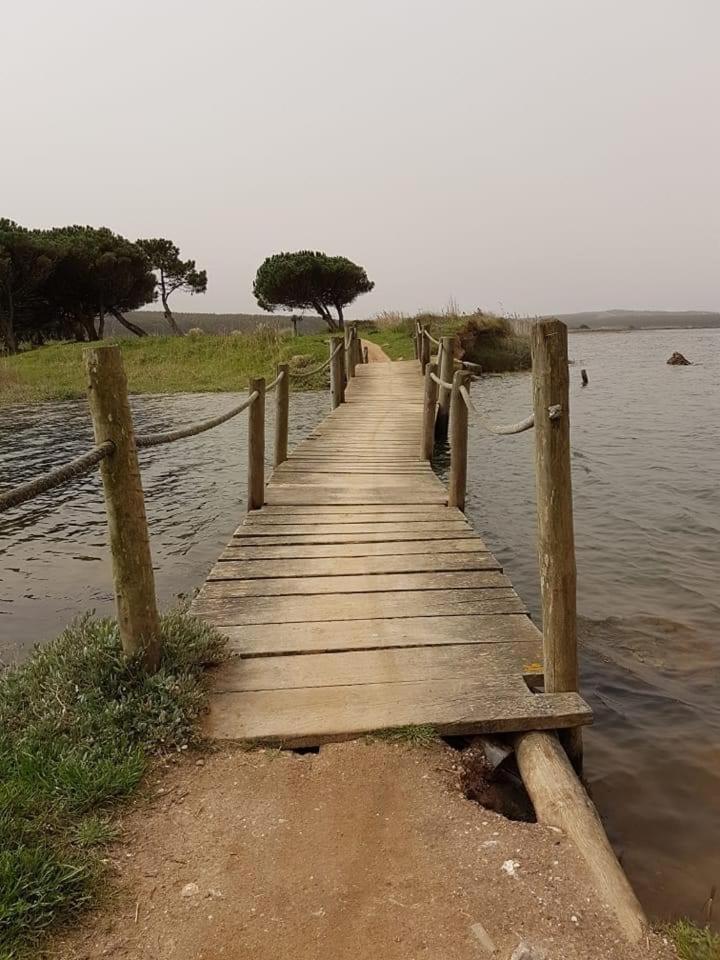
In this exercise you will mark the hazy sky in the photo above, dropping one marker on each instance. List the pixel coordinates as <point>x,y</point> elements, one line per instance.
<point>527,155</point>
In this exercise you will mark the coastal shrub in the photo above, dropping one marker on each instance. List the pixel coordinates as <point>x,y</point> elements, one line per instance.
<point>693,942</point>
<point>78,725</point>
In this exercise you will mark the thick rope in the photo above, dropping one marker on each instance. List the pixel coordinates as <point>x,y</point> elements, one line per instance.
<point>55,478</point>
<point>499,431</point>
<point>431,338</point>
<point>311,373</point>
<point>441,383</point>
<point>156,439</point>
<point>271,386</point>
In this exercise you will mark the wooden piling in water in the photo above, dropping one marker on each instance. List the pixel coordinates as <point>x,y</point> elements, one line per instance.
<point>458,442</point>
<point>555,542</point>
<point>256,446</point>
<point>447,368</point>
<point>282,414</point>
<point>133,576</point>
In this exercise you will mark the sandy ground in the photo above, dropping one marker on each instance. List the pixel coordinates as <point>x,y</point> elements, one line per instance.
<point>367,851</point>
<point>376,354</point>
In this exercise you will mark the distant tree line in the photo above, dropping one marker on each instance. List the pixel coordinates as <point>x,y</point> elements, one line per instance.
<point>62,283</point>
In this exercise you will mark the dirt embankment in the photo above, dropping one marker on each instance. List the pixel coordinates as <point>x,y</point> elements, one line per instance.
<point>365,850</point>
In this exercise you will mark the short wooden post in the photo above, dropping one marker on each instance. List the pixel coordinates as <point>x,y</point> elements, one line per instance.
<point>458,442</point>
<point>358,347</point>
<point>337,372</point>
<point>446,373</point>
<point>282,414</point>
<point>429,406</point>
<point>366,355</point>
<point>256,446</point>
<point>416,340</point>
<point>349,354</point>
<point>556,544</point>
<point>125,507</point>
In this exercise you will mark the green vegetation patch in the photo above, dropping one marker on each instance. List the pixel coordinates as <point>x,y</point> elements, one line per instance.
<point>693,942</point>
<point>78,725</point>
<point>198,362</point>
<point>417,735</point>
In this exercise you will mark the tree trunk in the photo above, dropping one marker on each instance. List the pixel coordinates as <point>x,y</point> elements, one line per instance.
<point>128,324</point>
<point>341,318</point>
<point>88,325</point>
<point>7,327</point>
<point>171,321</point>
<point>101,324</point>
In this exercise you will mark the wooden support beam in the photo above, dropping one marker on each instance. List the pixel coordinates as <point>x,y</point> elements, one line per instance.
<point>337,373</point>
<point>555,542</point>
<point>256,446</point>
<point>560,801</point>
<point>282,414</point>
<point>125,506</point>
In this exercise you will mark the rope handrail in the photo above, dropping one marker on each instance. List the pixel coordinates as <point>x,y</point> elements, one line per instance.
<point>431,338</point>
<point>271,386</point>
<point>143,441</point>
<point>502,430</point>
<point>55,478</point>
<point>311,373</point>
<point>467,363</point>
<point>441,383</point>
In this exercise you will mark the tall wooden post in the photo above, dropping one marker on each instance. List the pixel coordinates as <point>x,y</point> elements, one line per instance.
<point>424,349</point>
<point>337,372</point>
<point>416,340</point>
<point>256,446</point>
<point>357,348</point>
<point>458,442</point>
<point>556,543</point>
<point>125,506</point>
<point>349,354</point>
<point>429,407</point>
<point>446,373</point>
<point>282,414</point>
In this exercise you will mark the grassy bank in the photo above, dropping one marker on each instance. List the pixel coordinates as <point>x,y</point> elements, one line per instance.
<point>191,364</point>
<point>496,343</point>
<point>79,725</point>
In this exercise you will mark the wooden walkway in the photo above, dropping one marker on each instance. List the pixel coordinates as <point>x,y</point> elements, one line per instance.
<point>356,600</point>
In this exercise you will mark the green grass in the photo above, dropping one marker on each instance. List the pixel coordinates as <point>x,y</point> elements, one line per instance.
<point>192,364</point>
<point>417,735</point>
<point>693,942</point>
<point>78,726</point>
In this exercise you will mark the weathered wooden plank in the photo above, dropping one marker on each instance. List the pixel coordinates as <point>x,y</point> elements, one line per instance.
<point>376,495</point>
<point>346,566</point>
<point>495,664</point>
<point>356,606</point>
<point>310,716</point>
<point>314,637</point>
<point>262,550</point>
<point>243,540</point>
<point>356,528</point>
<point>438,516</point>
<point>362,583</point>
<point>366,508</point>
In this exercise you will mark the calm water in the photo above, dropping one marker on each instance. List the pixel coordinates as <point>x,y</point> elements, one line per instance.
<point>646,461</point>
<point>646,478</point>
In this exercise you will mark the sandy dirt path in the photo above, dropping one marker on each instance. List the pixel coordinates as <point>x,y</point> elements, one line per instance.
<point>365,851</point>
<point>376,354</point>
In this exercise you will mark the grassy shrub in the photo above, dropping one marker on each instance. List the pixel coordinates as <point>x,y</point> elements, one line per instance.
<point>78,724</point>
<point>693,942</point>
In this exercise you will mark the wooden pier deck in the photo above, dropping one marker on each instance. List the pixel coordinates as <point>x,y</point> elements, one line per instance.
<point>356,600</point>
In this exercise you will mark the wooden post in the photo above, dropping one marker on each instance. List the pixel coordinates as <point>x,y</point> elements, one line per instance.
<point>446,373</point>
<point>349,354</point>
<point>357,353</point>
<point>366,355</point>
<point>429,405</point>
<point>458,442</point>
<point>337,373</point>
<point>416,341</point>
<point>125,506</point>
<point>282,414</point>
<point>424,349</point>
<point>256,446</point>
<point>556,544</point>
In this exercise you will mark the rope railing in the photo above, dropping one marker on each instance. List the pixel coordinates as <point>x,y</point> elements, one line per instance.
<point>441,383</point>
<point>271,386</point>
<point>311,373</point>
<point>56,478</point>
<point>527,424</point>
<point>430,337</point>
<point>143,441</point>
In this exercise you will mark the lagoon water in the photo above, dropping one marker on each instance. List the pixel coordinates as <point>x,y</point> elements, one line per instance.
<point>646,463</point>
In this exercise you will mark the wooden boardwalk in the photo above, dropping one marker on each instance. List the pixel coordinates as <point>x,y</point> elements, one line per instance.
<point>356,600</point>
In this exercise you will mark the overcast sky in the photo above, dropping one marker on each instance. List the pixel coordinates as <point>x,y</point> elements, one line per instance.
<point>530,156</point>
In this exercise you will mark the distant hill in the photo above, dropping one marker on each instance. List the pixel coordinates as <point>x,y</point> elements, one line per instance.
<point>154,322</point>
<point>639,319</point>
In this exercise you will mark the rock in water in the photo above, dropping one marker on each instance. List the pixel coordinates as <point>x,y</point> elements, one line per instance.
<point>678,360</point>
